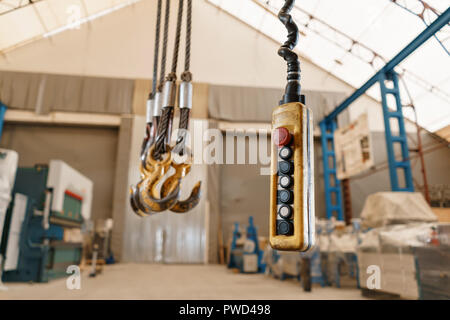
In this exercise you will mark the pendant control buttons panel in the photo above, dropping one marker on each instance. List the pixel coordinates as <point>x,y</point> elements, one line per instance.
<point>292,178</point>
<point>285,194</point>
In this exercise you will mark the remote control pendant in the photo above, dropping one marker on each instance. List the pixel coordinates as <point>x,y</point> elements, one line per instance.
<point>292,170</point>
<point>292,178</point>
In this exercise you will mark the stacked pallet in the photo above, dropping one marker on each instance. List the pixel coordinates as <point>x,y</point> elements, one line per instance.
<point>398,273</point>
<point>433,266</point>
<point>400,222</point>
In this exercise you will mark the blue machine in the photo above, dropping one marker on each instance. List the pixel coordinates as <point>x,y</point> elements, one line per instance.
<point>34,241</point>
<point>33,236</point>
<point>328,125</point>
<point>244,250</point>
<point>235,260</point>
<point>252,237</point>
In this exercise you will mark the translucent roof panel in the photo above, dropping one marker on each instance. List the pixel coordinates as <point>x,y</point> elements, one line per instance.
<point>23,21</point>
<point>349,38</point>
<point>352,39</point>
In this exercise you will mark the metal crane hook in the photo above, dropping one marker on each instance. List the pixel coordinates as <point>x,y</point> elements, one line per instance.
<point>148,191</point>
<point>135,201</point>
<point>181,170</point>
<point>143,197</point>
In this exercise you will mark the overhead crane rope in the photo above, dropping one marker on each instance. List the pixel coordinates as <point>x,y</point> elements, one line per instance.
<point>160,156</point>
<point>186,77</point>
<point>151,124</point>
<point>162,73</point>
<point>156,54</point>
<point>164,128</point>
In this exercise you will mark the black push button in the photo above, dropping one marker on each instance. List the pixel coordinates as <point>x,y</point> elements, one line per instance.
<point>285,211</point>
<point>286,181</point>
<point>284,227</point>
<point>285,153</point>
<point>286,167</point>
<point>286,196</point>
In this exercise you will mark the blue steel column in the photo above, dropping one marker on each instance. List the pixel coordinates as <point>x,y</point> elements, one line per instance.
<point>327,136</point>
<point>401,138</point>
<point>2,118</point>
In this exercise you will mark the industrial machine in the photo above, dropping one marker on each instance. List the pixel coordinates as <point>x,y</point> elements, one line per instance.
<point>47,199</point>
<point>292,170</point>
<point>245,254</point>
<point>8,166</point>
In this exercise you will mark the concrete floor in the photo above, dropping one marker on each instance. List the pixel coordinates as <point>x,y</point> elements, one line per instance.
<point>153,281</point>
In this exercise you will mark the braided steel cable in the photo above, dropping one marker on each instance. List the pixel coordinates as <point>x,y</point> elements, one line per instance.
<point>165,125</point>
<point>163,128</point>
<point>149,126</point>
<point>187,75</point>
<point>182,131</point>
<point>293,88</point>
<point>156,54</point>
<point>176,47</point>
<point>164,50</point>
<point>184,118</point>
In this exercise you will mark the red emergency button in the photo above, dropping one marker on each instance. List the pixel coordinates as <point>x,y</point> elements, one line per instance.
<point>282,136</point>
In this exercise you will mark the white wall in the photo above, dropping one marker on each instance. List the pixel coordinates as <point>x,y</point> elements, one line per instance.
<point>225,51</point>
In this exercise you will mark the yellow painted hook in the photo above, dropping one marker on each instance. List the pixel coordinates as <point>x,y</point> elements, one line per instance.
<point>174,181</point>
<point>148,193</point>
<point>142,197</point>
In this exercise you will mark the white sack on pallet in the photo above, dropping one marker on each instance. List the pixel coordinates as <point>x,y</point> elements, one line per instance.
<point>323,242</point>
<point>384,208</point>
<point>408,235</point>
<point>345,243</point>
<point>370,240</point>
<point>282,262</point>
<point>397,236</point>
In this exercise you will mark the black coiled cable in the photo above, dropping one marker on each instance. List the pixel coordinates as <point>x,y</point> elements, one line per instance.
<point>293,87</point>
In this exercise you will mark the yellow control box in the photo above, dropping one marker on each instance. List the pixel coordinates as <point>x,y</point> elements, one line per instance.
<point>292,178</point>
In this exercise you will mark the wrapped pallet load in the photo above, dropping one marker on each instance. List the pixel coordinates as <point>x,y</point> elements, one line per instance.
<point>386,208</point>
<point>391,248</point>
<point>433,265</point>
<point>282,264</point>
<point>398,222</point>
<point>337,243</point>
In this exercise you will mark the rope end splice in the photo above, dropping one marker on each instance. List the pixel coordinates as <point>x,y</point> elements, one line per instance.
<point>293,87</point>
